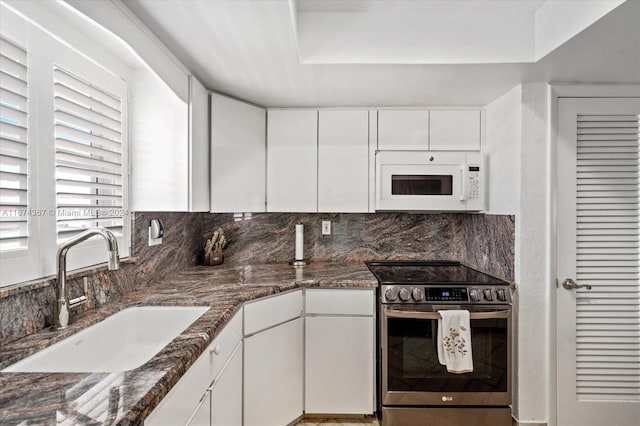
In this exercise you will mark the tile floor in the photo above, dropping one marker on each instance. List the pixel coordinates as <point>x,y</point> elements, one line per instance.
<point>368,421</point>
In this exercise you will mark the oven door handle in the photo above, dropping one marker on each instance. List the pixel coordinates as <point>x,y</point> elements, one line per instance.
<point>394,313</point>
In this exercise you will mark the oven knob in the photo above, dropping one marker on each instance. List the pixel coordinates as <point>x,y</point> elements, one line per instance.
<point>417,294</point>
<point>404,294</point>
<point>474,294</point>
<point>391,294</point>
<point>487,294</point>
<point>501,295</point>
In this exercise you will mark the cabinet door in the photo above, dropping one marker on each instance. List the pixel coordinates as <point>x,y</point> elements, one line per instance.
<point>343,161</point>
<point>339,365</point>
<point>273,375</point>
<point>292,160</point>
<point>198,147</point>
<point>202,415</point>
<point>403,130</point>
<point>226,393</point>
<point>237,156</point>
<point>454,130</point>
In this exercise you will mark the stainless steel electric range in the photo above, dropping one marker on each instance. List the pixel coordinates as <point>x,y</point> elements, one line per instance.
<point>414,389</point>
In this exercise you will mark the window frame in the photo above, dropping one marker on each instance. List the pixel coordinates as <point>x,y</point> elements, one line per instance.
<point>44,51</point>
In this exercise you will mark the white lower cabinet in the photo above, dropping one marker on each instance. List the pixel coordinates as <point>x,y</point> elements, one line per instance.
<point>340,351</point>
<point>202,415</point>
<point>285,363</point>
<point>186,403</point>
<point>273,375</point>
<point>226,393</point>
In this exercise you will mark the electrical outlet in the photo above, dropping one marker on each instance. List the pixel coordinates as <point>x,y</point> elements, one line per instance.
<point>326,227</point>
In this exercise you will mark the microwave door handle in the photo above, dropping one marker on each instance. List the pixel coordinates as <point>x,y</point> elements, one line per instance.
<point>464,193</point>
<point>393,313</point>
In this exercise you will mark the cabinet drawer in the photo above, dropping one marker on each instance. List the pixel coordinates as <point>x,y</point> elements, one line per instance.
<point>266,313</point>
<point>340,301</point>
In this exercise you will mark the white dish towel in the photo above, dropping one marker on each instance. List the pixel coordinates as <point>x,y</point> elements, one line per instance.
<point>454,341</point>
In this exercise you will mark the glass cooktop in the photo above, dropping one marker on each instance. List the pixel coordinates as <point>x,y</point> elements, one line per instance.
<point>429,273</point>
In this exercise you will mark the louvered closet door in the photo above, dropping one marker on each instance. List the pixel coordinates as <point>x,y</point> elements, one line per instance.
<point>598,330</point>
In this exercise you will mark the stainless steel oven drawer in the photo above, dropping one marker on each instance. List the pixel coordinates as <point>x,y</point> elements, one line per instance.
<point>446,416</point>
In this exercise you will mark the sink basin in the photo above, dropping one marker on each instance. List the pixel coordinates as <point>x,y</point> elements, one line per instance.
<point>121,342</point>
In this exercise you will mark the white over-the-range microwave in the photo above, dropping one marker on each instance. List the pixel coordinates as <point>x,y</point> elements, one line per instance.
<point>429,181</point>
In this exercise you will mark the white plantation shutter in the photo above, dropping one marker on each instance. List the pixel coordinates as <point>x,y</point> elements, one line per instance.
<point>608,258</point>
<point>14,224</point>
<point>89,156</point>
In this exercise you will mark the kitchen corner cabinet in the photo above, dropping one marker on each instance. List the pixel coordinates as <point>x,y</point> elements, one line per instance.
<point>210,382</point>
<point>273,359</point>
<point>343,161</point>
<point>292,160</point>
<point>237,156</point>
<point>339,351</point>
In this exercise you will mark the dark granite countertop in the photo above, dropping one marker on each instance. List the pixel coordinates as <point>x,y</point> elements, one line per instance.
<point>88,398</point>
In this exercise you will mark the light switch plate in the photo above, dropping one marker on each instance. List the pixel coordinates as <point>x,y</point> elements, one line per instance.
<point>154,241</point>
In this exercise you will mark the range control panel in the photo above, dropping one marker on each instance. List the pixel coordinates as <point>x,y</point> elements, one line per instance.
<point>440,294</point>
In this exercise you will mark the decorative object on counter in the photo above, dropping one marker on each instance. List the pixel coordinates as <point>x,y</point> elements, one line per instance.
<point>299,259</point>
<point>213,248</point>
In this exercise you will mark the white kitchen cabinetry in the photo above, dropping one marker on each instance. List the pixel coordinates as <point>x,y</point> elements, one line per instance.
<point>339,351</point>
<point>169,146</point>
<point>226,393</point>
<point>184,402</point>
<point>403,130</point>
<point>273,359</point>
<point>435,130</point>
<point>343,161</point>
<point>455,130</point>
<point>292,160</point>
<point>237,156</point>
<point>202,415</point>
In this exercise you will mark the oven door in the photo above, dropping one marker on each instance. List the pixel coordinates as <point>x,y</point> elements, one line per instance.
<point>412,375</point>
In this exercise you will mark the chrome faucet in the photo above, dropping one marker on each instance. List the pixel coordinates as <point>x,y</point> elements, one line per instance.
<point>61,319</point>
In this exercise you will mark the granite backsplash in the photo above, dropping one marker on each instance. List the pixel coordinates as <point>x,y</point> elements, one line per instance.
<point>485,242</point>
<point>28,307</point>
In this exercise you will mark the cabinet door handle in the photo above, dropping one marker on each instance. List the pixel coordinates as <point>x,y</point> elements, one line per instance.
<point>215,350</point>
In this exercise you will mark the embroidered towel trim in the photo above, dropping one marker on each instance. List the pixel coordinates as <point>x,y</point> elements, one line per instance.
<point>454,341</point>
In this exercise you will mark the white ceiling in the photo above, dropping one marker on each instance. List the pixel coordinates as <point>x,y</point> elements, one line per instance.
<point>249,49</point>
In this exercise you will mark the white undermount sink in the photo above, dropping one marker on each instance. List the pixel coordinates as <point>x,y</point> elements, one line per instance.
<point>123,341</point>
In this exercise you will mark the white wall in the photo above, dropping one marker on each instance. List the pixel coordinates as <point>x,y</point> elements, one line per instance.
<point>159,145</point>
<point>533,248</point>
<point>502,150</point>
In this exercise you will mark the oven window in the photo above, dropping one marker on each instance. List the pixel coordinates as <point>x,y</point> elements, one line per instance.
<point>421,184</point>
<point>413,358</point>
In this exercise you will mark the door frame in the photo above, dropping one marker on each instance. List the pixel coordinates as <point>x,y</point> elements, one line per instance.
<point>556,92</point>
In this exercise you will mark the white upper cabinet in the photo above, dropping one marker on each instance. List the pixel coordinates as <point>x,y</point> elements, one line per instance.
<point>237,156</point>
<point>292,160</point>
<point>403,129</point>
<point>343,161</point>
<point>434,130</point>
<point>455,130</point>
